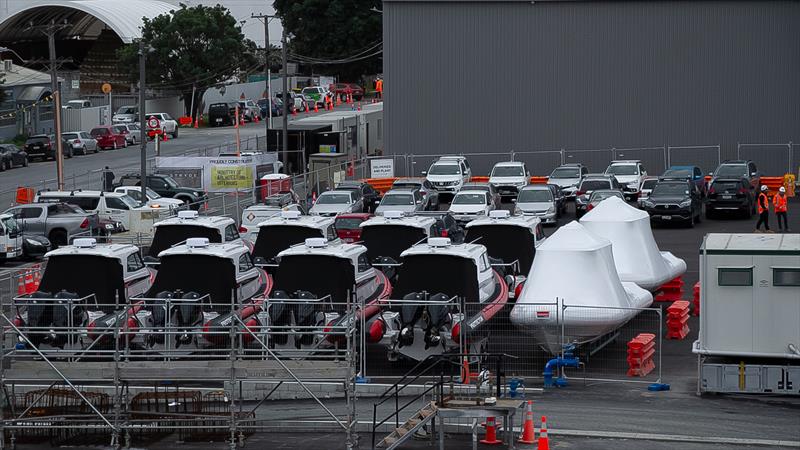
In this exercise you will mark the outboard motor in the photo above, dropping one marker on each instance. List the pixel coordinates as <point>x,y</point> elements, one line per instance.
<point>159,310</point>
<point>62,308</point>
<point>305,316</point>
<point>386,264</point>
<point>437,316</point>
<point>40,314</point>
<point>409,315</point>
<point>126,319</point>
<point>188,315</point>
<point>280,315</point>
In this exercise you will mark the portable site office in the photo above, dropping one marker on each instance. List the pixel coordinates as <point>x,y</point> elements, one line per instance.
<point>749,313</point>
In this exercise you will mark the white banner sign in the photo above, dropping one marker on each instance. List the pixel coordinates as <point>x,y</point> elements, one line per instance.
<point>381,168</point>
<point>221,173</point>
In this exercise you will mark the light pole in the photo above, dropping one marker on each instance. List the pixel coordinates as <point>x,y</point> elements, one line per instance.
<point>267,75</point>
<point>142,121</point>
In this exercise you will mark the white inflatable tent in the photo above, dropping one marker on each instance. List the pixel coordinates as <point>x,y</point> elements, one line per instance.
<point>636,253</point>
<point>573,284</point>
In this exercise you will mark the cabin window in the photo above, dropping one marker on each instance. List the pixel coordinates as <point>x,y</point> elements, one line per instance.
<point>735,276</point>
<point>135,263</point>
<point>484,265</point>
<point>331,233</point>
<point>245,263</point>
<point>786,276</point>
<point>231,233</point>
<point>539,232</point>
<point>363,263</point>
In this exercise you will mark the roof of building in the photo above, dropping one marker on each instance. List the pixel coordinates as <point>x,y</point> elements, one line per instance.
<point>22,76</point>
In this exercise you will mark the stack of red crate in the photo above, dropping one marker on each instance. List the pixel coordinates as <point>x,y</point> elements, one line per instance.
<point>670,291</point>
<point>641,350</point>
<point>696,300</point>
<point>678,320</point>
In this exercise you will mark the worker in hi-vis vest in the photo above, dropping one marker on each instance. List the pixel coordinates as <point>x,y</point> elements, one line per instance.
<point>763,209</point>
<point>779,203</point>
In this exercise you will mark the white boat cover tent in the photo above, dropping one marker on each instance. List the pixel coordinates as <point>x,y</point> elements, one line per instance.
<point>636,254</point>
<point>573,282</point>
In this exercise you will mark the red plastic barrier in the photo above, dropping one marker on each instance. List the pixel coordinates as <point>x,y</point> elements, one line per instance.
<point>678,320</point>
<point>696,300</point>
<point>641,350</point>
<point>670,291</point>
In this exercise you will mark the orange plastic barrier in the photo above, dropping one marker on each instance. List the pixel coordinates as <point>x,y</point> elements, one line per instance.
<point>641,350</point>
<point>670,291</point>
<point>381,185</point>
<point>539,180</point>
<point>185,121</point>
<point>678,320</point>
<point>696,300</point>
<point>25,195</point>
<point>773,183</point>
<point>479,179</point>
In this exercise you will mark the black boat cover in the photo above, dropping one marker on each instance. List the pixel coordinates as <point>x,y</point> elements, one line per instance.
<point>167,236</point>
<point>390,240</point>
<point>277,238</point>
<point>438,274</point>
<point>508,243</point>
<point>203,274</point>
<point>319,274</point>
<point>86,275</point>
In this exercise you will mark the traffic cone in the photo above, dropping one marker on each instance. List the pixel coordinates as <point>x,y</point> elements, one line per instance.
<point>21,286</point>
<point>544,443</point>
<point>30,287</point>
<point>316,108</point>
<point>164,137</point>
<point>256,119</point>
<point>338,100</point>
<point>491,433</point>
<point>294,111</point>
<point>197,122</point>
<point>528,433</point>
<point>359,106</point>
<point>350,98</point>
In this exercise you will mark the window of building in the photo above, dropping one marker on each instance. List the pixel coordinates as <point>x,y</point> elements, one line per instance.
<point>735,276</point>
<point>786,276</point>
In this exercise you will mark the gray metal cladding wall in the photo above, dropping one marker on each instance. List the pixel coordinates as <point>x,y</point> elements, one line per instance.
<point>495,76</point>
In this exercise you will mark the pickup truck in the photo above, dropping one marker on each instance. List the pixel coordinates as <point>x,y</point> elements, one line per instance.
<point>55,221</point>
<point>166,186</point>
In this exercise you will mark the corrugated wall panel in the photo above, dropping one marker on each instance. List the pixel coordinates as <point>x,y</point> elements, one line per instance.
<point>494,77</point>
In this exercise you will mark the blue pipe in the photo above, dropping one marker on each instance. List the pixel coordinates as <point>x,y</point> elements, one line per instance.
<point>567,361</point>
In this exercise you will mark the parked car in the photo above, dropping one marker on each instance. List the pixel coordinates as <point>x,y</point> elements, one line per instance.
<point>77,104</point>
<point>448,174</point>
<point>568,177</point>
<point>222,114</point>
<point>108,137</point>
<point>342,90</point>
<point>293,99</point>
<point>154,200</point>
<point>423,186</point>
<point>648,183</point>
<point>538,200</point>
<point>470,204</point>
<point>124,131</point>
<point>166,186</point>
<point>602,194</point>
<point>249,110</point>
<point>40,146</point>
<point>168,125</point>
<point>81,142</point>
<point>493,193</point>
<point>509,177</point>
<point>739,169</point>
<point>133,132</point>
<point>730,194</point>
<point>126,114</point>
<point>66,148</point>
<point>12,156</point>
<point>55,221</point>
<point>674,200</point>
<point>316,94</point>
<point>348,226</point>
<point>404,200</point>
<point>629,174</point>
<point>114,207</point>
<point>589,184</point>
<point>692,173</point>
<point>561,199</point>
<point>336,202</point>
<point>264,106</point>
<point>364,191</point>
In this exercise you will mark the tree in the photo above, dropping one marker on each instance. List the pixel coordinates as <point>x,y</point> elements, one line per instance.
<point>334,30</point>
<point>197,46</point>
<point>2,91</point>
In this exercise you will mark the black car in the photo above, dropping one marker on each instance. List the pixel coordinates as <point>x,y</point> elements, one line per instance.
<point>730,194</point>
<point>674,200</point>
<point>739,169</point>
<point>166,186</point>
<point>222,114</point>
<point>589,184</point>
<point>40,146</point>
<point>12,156</point>
<point>559,197</point>
<point>371,196</point>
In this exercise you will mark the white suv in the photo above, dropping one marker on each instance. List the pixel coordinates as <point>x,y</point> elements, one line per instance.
<point>509,177</point>
<point>629,174</point>
<point>448,173</point>
<point>168,125</point>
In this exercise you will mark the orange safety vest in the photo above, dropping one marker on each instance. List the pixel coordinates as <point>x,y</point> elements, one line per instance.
<point>766,202</point>
<point>780,203</point>
<point>379,86</point>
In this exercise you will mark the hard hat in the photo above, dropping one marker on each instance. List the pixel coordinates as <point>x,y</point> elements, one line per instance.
<point>782,189</point>
<point>763,188</point>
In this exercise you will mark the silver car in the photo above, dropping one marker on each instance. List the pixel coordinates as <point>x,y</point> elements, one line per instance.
<point>405,201</point>
<point>126,114</point>
<point>82,143</point>
<point>568,177</point>
<point>335,202</point>
<point>537,200</point>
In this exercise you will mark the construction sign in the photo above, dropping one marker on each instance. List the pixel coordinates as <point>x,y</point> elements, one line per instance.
<point>231,177</point>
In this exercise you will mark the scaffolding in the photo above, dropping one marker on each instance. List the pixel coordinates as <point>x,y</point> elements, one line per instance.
<point>72,369</point>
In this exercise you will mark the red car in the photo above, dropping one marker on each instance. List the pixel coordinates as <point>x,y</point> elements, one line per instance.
<point>345,89</point>
<point>348,226</point>
<point>108,137</point>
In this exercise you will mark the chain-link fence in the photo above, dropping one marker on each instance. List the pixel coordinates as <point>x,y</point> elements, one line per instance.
<point>706,157</point>
<point>770,159</point>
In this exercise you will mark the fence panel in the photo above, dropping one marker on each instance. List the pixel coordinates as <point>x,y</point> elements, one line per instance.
<point>706,157</point>
<point>654,159</point>
<point>795,169</point>
<point>596,160</point>
<point>771,159</point>
<point>540,163</point>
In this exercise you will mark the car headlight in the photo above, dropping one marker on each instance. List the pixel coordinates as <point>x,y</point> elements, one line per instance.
<point>551,210</point>
<point>32,242</point>
<point>517,211</point>
<point>685,203</point>
<point>649,203</point>
<point>481,213</point>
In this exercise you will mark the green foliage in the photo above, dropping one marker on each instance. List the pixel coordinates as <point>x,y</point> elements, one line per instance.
<point>2,91</point>
<point>197,45</point>
<point>333,29</point>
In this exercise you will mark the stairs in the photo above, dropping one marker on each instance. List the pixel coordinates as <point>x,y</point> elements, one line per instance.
<point>406,430</point>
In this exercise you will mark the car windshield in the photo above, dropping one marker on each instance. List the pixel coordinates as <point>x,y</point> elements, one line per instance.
<point>129,202</point>
<point>333,199</point>
<point>566,172</point>
<point>592,185</point>
<point>598,196</point>
<point>725,185</point>
<point>622,169</point>
<point>70,135</point>
<point>100,132</point>
<point>406,185</point>
<point>670,190</point>
<point>683,173</point>
<point>508,171</point>
<point>397,199</point>
<point>648,184</point>
<point>535,196</point>
<point>348,223</point>
<point>732,171</point>
<point>444,169</point>
<point>64,208</point>
<point>10,224</point>
<point>38,140</point>
<point>469,199</point>
<point>127,110</point>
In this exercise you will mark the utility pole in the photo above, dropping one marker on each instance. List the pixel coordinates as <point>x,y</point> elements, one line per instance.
<point>285,70</point>
<point>267,75</point>
<point>143,121</point>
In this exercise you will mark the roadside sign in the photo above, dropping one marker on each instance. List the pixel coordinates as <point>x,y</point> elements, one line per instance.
<point>106,88</point>
<point>381,168</point>
<point>153,122</point>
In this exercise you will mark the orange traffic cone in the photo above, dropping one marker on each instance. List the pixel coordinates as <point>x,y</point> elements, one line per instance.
<point>350,98</point>
<point>528,433</point>
<point>491,433</point>
<point>197,122</point>
<point>294,111</point>
<point>338,100</point>
<point>359,106</point>
<point>544,443</point>
<point>255,118</point>
<point>30,287</point>
<point>164,137</point>
<point>316,108</point>
<point>21,286</point>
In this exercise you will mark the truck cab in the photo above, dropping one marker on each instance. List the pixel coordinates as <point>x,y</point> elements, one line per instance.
<point>10,238</point>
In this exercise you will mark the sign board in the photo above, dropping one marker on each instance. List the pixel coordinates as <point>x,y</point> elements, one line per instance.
<point>381,168</point>
<point>231,177</point>
<point>219,174</point>
<point>325,148</point>
<point>153,123</point>
<point>76,84</point>
<point>106,88</point>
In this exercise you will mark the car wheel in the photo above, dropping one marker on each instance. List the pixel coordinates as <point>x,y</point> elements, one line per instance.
<point>25,162</point>
<point>175,133</point>
<point>114,147</point>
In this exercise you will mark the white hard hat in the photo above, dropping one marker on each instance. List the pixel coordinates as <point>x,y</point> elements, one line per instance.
<point>782,189</point>
<point>763,187</point>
